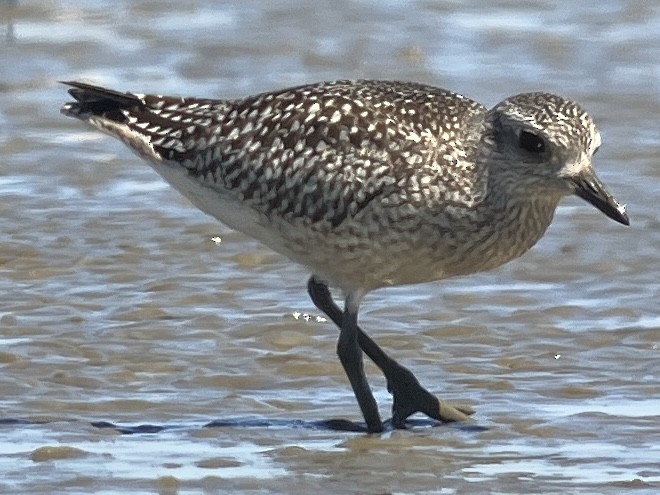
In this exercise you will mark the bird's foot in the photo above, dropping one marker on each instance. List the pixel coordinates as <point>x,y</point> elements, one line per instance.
<point>410,397</point>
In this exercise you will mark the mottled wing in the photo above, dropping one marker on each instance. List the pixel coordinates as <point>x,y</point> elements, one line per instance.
<point>316,154</point>
<point>322,153</point>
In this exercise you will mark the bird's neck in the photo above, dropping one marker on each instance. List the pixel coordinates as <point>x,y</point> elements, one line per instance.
<point>519,215</point>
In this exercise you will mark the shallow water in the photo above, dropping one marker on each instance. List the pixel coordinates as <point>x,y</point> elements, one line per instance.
<point>137,355</point>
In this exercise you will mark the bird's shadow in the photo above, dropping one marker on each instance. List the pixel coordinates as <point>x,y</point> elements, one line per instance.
<point>342,425</point>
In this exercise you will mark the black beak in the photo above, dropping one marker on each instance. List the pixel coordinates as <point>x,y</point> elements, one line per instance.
<point>591,189</point>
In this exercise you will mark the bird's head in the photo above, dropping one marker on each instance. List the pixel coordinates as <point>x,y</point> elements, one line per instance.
<point>550,141</point>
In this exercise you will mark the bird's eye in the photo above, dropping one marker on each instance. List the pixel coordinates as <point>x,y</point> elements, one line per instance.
<point>531,142</point>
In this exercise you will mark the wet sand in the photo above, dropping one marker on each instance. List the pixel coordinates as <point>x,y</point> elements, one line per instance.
<point>137,355</point>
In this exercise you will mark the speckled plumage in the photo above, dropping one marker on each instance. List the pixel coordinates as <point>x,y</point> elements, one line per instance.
<point>369,184</point>
<point>353,179</point>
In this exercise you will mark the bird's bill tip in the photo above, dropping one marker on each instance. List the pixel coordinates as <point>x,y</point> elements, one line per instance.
<point>591,189</point>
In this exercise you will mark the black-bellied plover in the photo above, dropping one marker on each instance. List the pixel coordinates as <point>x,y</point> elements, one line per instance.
<point>369,184</point>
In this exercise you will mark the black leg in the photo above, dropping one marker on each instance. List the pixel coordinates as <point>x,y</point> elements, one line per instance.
<point>350,355</point>
<point>409,396</point>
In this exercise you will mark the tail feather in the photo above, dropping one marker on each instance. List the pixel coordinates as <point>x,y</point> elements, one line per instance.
<point>156,127</point>
<point>95,100</point>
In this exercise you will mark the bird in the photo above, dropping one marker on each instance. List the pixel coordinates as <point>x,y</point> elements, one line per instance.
<point>368,184</point>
